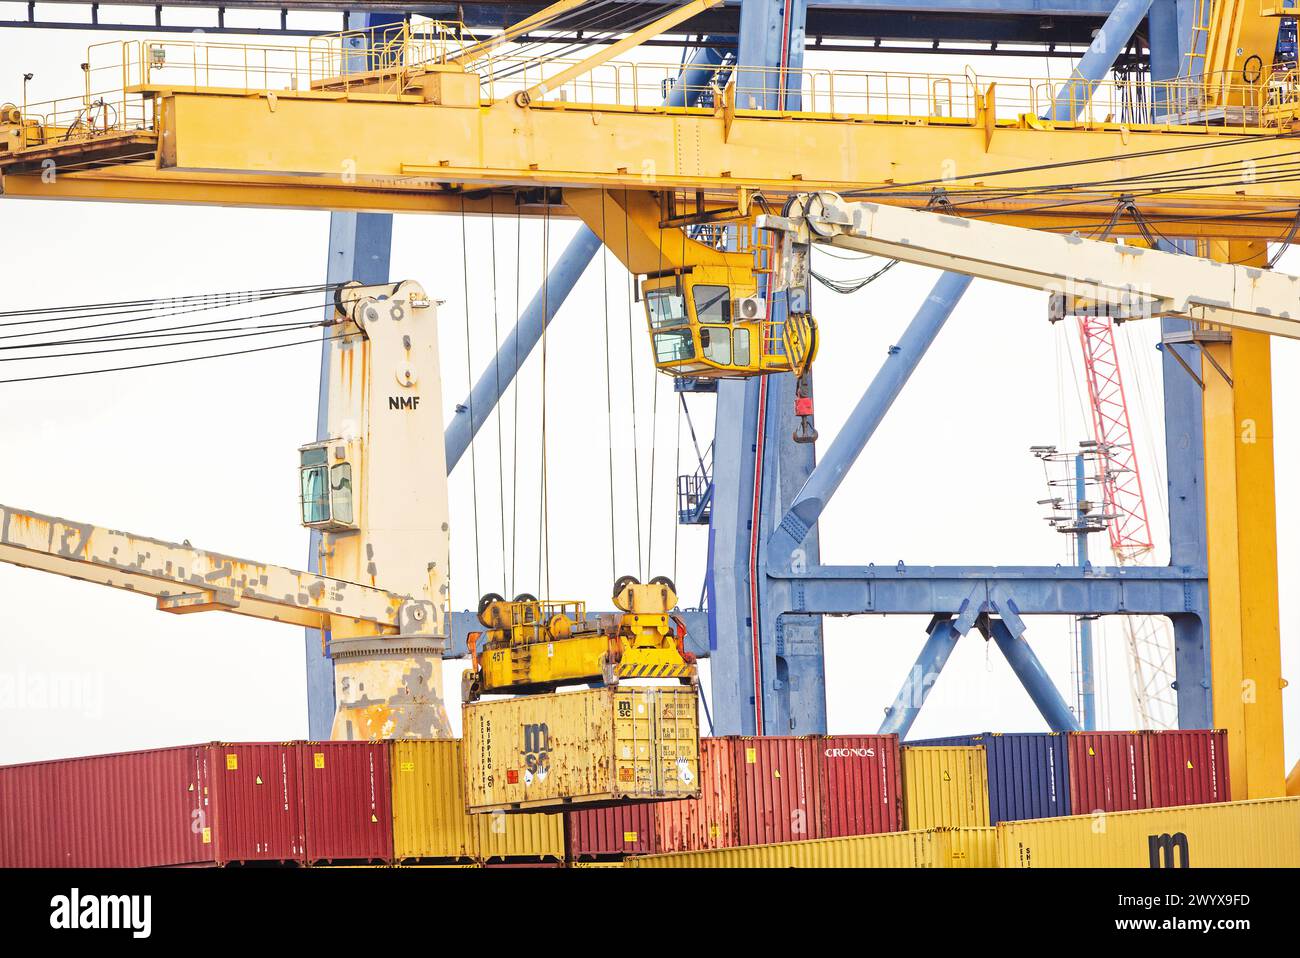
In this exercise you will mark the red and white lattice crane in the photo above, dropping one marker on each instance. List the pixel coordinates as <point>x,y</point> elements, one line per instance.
<point>1150,638</point>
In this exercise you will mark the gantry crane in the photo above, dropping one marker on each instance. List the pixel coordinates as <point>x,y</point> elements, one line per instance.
<point>445,132</point>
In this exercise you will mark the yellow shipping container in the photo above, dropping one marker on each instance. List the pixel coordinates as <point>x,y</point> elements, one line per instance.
<point>570,748</point>
<point>945,787</point>
<point>926,849</point>
<point>969,847</point>
<point>504,837</point>
<point>1261,833</point>
<point>430,820</point>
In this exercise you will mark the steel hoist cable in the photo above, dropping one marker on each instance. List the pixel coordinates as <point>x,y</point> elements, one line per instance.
<point>677,471</point>
<point>609,397</point>
<point>167,362</point>
<point>130,349</point>
<point>496,364</point>
<point>631,363</point>
<point>514,418</point>
<point>150,314</point>
<point>469,379</point>
<point>206,301</point>
<point>181,330</point>
<point>654,426</point>
<point>544,537</point>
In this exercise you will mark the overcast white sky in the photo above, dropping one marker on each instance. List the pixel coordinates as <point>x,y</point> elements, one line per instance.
<point>207,452</point>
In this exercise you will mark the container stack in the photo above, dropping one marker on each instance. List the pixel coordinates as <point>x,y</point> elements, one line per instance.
<point>247,803</point>
<point>967,801</point>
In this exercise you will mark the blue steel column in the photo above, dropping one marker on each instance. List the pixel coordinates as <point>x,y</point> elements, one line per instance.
<point>916,688</point>
<point>359,248</point>
<point>1170,39</point>
<point>563,276</point>
<point>1034,678</point>
<point>789,654</point>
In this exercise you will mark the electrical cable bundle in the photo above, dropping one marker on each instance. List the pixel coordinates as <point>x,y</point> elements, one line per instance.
<point>36,342</point>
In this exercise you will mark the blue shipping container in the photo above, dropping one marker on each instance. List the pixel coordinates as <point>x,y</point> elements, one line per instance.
<point>1028,773</point>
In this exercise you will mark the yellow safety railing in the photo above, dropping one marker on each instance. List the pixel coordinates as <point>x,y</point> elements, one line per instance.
<point>120,79</point>
<point>911,97</point>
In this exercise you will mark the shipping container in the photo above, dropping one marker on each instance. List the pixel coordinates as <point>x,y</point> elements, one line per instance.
<point>534,836</point>
<point>861,784</point>
<point>1255,834</point>
<point>601,746</point>
<point>1108,772</point>
<point>968,847</point>
<point>125,810</point>
<point>347,801</point>
<point>254,812</point>
<point>945,786</point>
<point>610,832</point>
<point>697,824</point>
<point>429,817</point>
<point>1028,772</point>
<point>430,821</point>
<point>1187,767</point>
<point>919,849</point>
<point>778,795</point>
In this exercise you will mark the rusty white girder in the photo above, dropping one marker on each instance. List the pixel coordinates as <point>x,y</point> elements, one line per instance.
<point>1140,282</point>
<point>184,579</point>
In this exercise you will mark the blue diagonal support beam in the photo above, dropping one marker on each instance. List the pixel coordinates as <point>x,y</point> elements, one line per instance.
<point>1044,693</point>
<point>1111,39</point>
<point>920,680</point>
<point>812,500</point>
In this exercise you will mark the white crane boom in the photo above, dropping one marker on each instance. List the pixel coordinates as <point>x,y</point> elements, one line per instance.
<point>1140,282</point>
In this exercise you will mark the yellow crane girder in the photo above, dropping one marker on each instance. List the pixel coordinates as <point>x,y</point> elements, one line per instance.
<point>434,156</point>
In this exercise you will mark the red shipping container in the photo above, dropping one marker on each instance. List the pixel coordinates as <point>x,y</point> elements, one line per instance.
<point>1108,772</point>
<point>861,784</point>
<point>777,794</point>
<point>1187,767</point>
<point>125,810</point>
<point>347,801</point>
<point>696,824</point>
<point>255,812</point>
<point>611,832</point>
